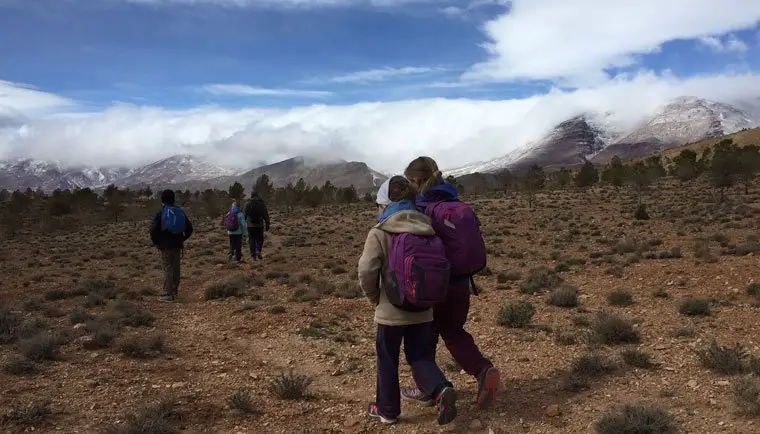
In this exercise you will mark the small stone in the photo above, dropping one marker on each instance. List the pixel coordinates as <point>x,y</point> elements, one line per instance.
<point>553,410</point>
<point>723,383</point>
<point>693,384</point>
<point>476,425</point>
<point>178,384</point>
<point>351,422</point>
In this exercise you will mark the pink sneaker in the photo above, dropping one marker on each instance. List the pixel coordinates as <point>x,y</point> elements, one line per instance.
<point>488,387</point>
<point>375,414</point>
<point>415,394</point>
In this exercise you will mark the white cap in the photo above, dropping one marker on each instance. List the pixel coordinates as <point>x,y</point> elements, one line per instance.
<point>382,194</point>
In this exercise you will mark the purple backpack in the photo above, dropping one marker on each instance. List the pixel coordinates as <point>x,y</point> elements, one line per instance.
<point>231,221</point>
<point>417,275</point>
<point>459,228</point>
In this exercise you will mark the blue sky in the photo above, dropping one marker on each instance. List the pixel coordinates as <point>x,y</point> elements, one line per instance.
<point>163,54</point>
<point>313,61</point>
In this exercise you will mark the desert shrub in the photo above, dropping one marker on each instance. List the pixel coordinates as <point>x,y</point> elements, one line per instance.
<point>29,414</point>
<point>103,335</point>
<point>314,331</point>
<point>159,418</point>
<point>277,310</point>
<point>612,329</point>
<point>516,315</point>
<point>349,290</point>
<point>584,370</point>
<point>241,401</point>
<point>616,271</point>
<point>131,314</point>
<point>746,392</point>
<point>234,287</point>
<point>620,298</point>
<point>695,307</point>
<point>636,358</point>
<point>636,419</point>
<point>581,321</point>
<point>94,299</point>
<point>290,386</point>
<point>754,290</point>
<point>20,366</point>
<point>104,288</point>
<point>660,293</point>
<point>142,346</point>
<point>563,296</point>
<point>539,279</point>
<point>42,346</point>
<point>723,360</point>
<point>566,338</point>
<point>79,316</point>
<point>641,212</point>
<point>61,294</point>
<point>10,323</point>
<point>511,276</point>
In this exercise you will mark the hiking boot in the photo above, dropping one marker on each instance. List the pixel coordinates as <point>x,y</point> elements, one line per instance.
<point>417,395</point>
<point>166,298</point>
<point>375,414</point>
<point>446,404</point>
<point>488,387</point>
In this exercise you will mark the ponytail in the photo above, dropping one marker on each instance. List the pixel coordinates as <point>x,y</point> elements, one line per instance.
<point>424,171</point>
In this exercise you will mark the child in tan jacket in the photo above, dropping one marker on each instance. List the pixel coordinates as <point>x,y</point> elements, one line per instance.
<point>397,214</point>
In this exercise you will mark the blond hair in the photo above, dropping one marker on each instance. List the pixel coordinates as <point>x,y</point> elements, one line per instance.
<point>424,172</point>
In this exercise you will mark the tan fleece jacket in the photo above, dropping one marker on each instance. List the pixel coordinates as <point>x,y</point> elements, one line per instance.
<point>374,261</point>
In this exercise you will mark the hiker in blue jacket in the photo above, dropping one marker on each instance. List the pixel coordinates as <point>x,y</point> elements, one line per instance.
<point>234,221</point>
<point>169,230</point>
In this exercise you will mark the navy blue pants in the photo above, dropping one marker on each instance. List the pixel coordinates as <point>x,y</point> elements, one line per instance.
<point>418,348</point>
<point>255,240</point>
<point>236,247</point>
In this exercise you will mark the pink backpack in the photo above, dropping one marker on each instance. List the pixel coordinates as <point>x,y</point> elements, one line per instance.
<point>417,275</point>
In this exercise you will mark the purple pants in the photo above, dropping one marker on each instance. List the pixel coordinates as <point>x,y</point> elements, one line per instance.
<point>448,323</point>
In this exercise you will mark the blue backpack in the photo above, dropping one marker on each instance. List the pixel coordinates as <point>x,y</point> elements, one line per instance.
<point>173,219</point>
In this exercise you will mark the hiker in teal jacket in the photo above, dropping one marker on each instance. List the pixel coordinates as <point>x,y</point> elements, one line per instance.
<point>236,236</point>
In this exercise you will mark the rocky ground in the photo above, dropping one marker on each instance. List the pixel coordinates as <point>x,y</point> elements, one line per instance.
<point>85,346</point>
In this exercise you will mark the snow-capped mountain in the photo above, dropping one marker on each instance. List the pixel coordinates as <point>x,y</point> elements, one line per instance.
<point>175,170</point>
<point>596,138</point>
<point>569,143</point>
<point>186,172</point>
<point>50,175</point>
<point>683,120</point>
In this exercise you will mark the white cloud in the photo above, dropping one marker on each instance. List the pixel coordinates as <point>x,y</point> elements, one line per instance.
<point>245,90</point>
<point>385,135</point>
<point>283,3</point>
<point>732,43</point>
<point>21,100</point>
<point>577,40</point>
<point>383,74</point>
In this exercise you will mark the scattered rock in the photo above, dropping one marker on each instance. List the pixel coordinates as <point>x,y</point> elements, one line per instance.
<point>553,410</point>
<point>354,421</point>
<point>476,425</point>
<point>723,383</point>
<point>693,384</point>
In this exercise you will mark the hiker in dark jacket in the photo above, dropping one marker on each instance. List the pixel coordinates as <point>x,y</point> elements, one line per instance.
<point>257,221</point>
<point>168,232</point>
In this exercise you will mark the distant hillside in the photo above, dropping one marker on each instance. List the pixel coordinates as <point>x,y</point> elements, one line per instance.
<point>741,138</point>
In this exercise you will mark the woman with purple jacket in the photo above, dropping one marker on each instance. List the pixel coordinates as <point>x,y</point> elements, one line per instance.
<point>450,316</point>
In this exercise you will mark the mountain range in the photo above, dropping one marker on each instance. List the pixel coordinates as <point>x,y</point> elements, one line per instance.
<point>185,172</point>
<point>592,137</point>
<point>585,137</point>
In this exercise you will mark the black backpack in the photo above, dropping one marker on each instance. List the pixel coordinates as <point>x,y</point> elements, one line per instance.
<point>253,213</point>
